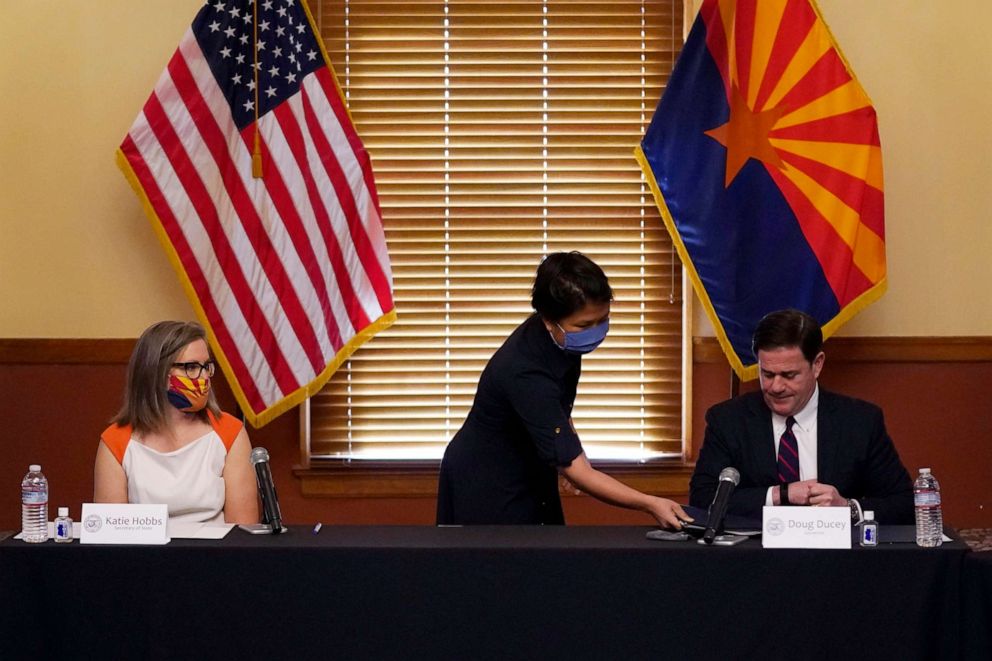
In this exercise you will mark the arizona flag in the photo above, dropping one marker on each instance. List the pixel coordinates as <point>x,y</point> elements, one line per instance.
<point>261,192</point>
<point>764,159</point>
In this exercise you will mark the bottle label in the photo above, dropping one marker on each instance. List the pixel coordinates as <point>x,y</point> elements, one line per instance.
<point>926,499</point>
<point>34,498</point>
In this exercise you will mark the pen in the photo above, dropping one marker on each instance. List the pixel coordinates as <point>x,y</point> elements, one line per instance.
<point>316,528</point>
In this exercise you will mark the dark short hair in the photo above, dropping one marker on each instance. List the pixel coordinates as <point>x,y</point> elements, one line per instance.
<point>565,282</point>
<point>145,395</point>
<point>788,328</point>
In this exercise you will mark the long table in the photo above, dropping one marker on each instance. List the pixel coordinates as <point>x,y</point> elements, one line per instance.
<point>477,593</point>
<point>977,608</point>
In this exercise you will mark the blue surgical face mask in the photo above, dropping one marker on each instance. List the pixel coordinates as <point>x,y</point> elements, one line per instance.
<point>585,340</point>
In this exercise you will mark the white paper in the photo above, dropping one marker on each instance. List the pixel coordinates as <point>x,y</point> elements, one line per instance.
<point>194,530</point>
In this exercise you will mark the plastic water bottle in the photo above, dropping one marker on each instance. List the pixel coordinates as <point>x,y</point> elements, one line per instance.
<point>63,527</point>
<point>34,505</point>
<point>929,520</point>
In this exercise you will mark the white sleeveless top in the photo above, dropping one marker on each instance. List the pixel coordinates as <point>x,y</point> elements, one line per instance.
<point>189,480</point>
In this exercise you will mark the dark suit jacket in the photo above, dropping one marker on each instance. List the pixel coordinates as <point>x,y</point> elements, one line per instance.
<point>854,454</point>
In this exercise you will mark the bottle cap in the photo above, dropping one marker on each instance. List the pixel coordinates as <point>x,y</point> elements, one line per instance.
<point>35,468</point>
<point>63,511</point>
<point>869,515</point>
<point>924,471</point>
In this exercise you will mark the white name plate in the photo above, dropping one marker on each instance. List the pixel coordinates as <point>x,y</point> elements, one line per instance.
<point>118,523</point>
<point>806,527</point>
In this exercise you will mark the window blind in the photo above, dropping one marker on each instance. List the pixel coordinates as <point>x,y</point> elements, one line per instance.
<point>500,132</point>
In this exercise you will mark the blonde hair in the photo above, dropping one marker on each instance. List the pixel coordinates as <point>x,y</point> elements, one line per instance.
<point>146,402</point>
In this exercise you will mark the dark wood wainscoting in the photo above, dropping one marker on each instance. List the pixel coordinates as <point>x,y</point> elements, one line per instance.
<point>56,396</point>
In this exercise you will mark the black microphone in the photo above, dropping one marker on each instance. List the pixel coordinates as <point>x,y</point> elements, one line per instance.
<point>729,477</point>
<point>267,489</point>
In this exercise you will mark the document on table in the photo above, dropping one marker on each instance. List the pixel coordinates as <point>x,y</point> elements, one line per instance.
<point>192,530</point>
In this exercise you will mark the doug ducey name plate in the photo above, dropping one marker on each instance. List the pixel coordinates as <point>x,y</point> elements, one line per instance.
<point>806,527</point>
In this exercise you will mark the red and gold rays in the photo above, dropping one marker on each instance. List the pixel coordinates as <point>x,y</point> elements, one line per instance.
<point>745,135</point>
<point>796,107</point>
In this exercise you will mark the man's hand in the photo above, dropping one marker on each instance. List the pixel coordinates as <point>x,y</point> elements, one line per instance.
<point>824,495</point>
<point>799,492</point>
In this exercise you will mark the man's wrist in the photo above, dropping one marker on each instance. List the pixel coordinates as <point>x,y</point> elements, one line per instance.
<point>783,494</point>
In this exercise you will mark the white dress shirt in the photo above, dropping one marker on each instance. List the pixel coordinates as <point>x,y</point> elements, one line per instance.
<point>804,430</point>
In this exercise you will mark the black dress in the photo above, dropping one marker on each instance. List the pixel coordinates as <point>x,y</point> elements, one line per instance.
<point>502,465</point>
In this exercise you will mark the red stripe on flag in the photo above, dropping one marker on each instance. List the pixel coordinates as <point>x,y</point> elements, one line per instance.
<point>202,202</point>
<point>716,40</point>
<point>857,127</point>
<point>826,75</point>
<point>797,19</point>
<point>855,193</point>
<point>380,282</point>
<point>835,257</point>
<point>743,42</point>
<point>294,137</point>
<point>192,268</point>
<point>366,162</point>
<point>334,100</point>
<point>366,253</point>
<point>268,257</point>
<point>295,230</point>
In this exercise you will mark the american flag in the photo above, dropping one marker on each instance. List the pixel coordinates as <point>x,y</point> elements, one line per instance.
<point>289,272</point>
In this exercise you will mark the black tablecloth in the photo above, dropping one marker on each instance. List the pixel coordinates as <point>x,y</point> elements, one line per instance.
<point>477,593</point>
<point>977,609</point>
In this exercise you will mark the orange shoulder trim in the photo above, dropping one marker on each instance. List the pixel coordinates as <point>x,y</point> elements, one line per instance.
<point>116,438</point>
<point>227,427</point>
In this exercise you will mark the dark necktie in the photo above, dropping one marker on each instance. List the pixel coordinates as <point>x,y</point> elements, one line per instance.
<point>788,454</point>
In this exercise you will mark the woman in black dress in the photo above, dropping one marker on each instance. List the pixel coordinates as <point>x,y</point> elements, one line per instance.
<point>502,466</point>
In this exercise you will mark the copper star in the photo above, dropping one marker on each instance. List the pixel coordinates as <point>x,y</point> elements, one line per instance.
<point>745,135</point>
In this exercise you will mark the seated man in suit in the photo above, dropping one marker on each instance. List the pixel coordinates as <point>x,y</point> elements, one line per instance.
<point>797,444</point>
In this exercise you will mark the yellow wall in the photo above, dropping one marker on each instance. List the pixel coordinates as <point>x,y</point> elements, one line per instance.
<point>926,66</point>
<point>77,256</point>
<point>79,259</point>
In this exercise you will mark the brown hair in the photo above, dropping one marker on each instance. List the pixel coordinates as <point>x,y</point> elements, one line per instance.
<point>788,328</point>
<point>145,400</point>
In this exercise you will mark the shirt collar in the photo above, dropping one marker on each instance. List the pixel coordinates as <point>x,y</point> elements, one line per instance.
<point>806,417</point>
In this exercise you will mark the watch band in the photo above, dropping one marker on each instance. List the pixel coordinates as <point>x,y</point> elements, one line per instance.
<point>783,494</point>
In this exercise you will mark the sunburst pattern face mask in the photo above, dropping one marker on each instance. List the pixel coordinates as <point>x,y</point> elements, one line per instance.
<point>188,395</point>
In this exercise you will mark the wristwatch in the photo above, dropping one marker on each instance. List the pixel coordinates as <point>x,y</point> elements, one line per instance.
<point>783,494</point>
<point>855,510</point>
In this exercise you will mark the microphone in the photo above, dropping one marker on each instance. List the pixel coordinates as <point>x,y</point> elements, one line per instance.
<point>267,489</point>
<point>729,477</point>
